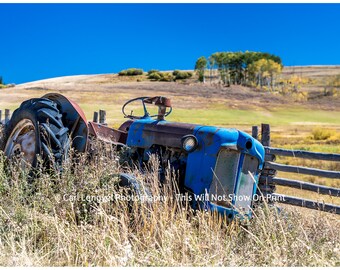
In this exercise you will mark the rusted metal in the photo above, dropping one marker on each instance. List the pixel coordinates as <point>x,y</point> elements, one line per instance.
<point>161,113</point>
<point>162,102</point>
<point>71,111</point>
<point>166,134</point>
<point>22,141</point>
<point>125,126</point>
<point>106,134</point>
<point>159,101</point>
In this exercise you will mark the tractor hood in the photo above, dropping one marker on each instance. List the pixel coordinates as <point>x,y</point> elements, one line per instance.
<point>144,133</point>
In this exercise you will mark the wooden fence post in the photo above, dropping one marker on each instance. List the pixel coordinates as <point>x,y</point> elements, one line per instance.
<point>102,117</point>
<point>265,134</point>
<point>95,117</point>
<point>255,132</point>
<point>7,115</point>
<point>265,185</point>
<point>0,116</point>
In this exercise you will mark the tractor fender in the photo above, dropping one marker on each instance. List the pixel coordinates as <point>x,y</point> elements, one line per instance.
<point>74,119</point>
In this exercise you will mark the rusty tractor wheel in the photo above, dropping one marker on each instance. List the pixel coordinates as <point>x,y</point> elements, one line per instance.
<point>36,128</point>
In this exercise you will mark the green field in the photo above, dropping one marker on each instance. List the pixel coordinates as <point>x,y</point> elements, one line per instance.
<point>298,118</point>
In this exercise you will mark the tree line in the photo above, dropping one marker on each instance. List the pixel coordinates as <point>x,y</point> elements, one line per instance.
<point>242,68</point>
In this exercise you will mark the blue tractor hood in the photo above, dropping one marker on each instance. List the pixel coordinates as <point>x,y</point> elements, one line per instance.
<point>144,133</point>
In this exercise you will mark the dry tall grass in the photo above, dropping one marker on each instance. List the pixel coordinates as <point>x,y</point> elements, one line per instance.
<point>64,221</point>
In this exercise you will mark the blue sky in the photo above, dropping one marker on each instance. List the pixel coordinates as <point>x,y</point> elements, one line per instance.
<point>48,40</point>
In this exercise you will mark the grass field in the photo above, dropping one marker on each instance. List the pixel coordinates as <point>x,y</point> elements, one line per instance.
<point>55,223</point>
<point>60,233</point>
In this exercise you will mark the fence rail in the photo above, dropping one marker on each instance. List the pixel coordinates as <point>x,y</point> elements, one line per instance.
<point>302,154</point>
<point>335,209</point>
<point>302,170</point>
<point>332,191</point>
<point>268,179</point>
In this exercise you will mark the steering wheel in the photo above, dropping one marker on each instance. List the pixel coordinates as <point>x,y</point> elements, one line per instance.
<point>161,102</point>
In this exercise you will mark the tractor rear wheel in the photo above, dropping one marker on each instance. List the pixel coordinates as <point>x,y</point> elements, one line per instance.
<point>36,128</point>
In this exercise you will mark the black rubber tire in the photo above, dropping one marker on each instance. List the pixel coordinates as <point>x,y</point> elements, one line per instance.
<point>136,188</point>
<point>52,140</point>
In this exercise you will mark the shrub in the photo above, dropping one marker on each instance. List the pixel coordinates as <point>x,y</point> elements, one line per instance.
<point>152,71</point>
<point>181,75</point>
<point>322,133</point>
<point>156,76</point>
<point>175,72</point>
<point>166,77</point>
<point>332,86</point>
<point>161,76</point>
<point>330,92</point>
<point>131,72</point>
<point>122,73</point>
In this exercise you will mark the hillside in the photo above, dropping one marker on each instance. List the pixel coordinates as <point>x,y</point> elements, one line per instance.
<point>56,226</point>
<point>114,86</point>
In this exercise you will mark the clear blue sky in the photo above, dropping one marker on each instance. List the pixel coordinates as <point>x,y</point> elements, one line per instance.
<point>47,40</point>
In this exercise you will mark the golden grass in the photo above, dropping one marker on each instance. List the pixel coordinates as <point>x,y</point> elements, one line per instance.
<point>39,226</point>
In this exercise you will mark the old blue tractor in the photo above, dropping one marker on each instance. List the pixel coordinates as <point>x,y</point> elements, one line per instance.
<point>217,168</point>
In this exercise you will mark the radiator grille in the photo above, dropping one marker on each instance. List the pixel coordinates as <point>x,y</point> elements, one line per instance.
<point>246,183</point>
<point>224,178</point>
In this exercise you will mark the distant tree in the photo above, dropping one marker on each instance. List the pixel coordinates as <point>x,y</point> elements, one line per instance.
<point>211,61</point>
<point>274,69</point>
<point>233,67</point>
<point>265,71</point>
<point>1,80</point>
<point>200,66</point>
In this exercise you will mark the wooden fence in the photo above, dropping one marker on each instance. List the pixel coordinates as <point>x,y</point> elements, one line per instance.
<point>268,179</point>
<point>5,117</point>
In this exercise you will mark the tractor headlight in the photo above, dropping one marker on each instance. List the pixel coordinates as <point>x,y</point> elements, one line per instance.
<point>189,143</point>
